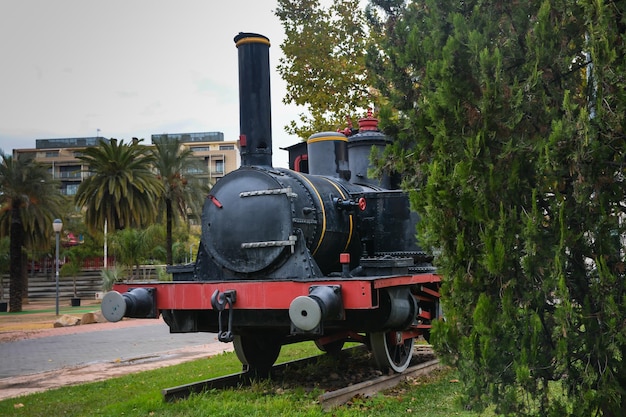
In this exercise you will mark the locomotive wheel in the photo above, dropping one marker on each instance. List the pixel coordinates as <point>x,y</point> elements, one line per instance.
<point>389,353</point>
<point>332,348</point>
<point>257,353</point>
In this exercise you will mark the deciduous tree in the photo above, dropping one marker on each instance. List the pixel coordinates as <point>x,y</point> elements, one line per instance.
<point>324,63</point>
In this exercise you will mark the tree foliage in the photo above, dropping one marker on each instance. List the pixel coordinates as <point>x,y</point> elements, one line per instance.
<point>324,63</point>
<point>121,188</point>
<point>509,119</point>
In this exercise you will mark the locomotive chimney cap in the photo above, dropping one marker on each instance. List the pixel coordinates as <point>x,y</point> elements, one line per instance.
<point>368,132</point>
<point>250,37</point>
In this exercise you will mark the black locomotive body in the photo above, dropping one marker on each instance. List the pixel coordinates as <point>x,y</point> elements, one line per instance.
<point>286,256</point>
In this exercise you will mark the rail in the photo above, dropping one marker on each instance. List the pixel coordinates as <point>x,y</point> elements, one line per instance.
<point>327,400</point>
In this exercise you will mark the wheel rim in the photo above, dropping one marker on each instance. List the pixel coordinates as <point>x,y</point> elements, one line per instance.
<point>389,354</point>
<point>257,353</point>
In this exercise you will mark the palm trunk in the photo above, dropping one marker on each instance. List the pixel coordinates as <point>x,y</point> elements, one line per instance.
<point>168,233</point>
<point>24,278</point>
<point>15,256</point>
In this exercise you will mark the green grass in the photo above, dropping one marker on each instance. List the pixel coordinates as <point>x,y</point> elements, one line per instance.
<point>62,310</point>
<point>140,395</point>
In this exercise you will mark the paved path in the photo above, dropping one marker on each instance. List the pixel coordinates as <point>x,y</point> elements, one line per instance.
<point>95,352</point>
<point>29,356</point>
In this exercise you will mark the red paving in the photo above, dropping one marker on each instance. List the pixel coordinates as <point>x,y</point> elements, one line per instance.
<point>22,326</point>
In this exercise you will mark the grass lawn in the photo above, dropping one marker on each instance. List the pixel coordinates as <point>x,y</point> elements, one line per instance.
<point>140,395</point>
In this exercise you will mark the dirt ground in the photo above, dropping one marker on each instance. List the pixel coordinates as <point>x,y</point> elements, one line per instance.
<point>37,319</point>
<point>39,322</point>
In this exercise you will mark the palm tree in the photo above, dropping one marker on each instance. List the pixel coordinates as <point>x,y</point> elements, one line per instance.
<point>29,200</point>
<point>133,246</point>
<point>122,189</point>
<point>183,192</point>
<point>130,245</point>
<point>75,257</point>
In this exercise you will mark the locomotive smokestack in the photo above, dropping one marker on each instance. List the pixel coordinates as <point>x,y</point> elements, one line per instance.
<point>255,115</point>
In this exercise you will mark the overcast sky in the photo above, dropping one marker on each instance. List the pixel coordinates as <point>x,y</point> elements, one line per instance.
<point>130,68</point>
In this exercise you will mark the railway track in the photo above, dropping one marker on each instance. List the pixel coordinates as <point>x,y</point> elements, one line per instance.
<point>423,364</point>
<point>238,379</point>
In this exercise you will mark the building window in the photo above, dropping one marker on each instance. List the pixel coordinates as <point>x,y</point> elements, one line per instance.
<point>52,154</point>
<point>71,189</point>
<point>219,167</point>
<point>227,147</point>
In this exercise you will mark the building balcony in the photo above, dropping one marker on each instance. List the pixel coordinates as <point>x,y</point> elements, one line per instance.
<point>76,175</point>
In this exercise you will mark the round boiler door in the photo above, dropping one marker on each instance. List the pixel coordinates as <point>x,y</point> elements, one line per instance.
<point>247,221</point>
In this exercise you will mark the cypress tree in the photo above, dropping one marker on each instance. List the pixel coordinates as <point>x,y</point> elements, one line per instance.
<point>510,125</point>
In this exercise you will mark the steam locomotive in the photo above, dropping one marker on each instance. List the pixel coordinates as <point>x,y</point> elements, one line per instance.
<point>285,256</point>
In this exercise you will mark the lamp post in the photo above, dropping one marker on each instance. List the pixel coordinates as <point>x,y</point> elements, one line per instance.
<point>57,225</point>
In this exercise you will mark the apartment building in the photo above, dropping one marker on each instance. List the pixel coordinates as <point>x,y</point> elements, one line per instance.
<point>61,155</point>
<point>220,156</point>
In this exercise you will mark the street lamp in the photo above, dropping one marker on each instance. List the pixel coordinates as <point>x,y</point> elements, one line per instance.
<point>57,225</point>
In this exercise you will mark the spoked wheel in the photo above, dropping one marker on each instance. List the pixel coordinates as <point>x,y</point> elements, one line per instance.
<point>257,352</point>
<point>390,351</point>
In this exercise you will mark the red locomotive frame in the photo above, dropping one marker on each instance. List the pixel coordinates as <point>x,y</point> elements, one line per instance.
<point>196,295</point>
